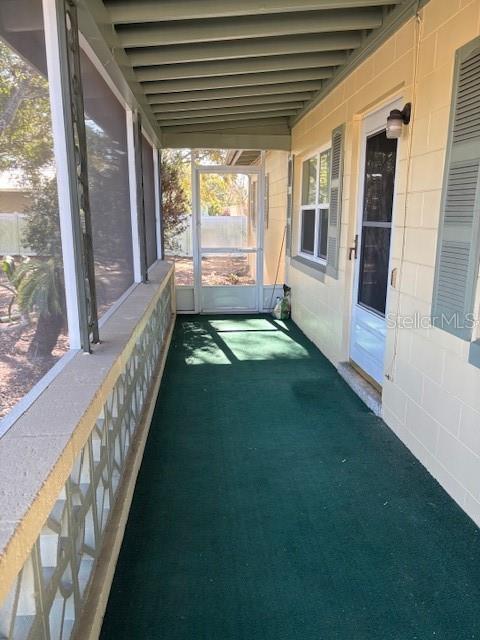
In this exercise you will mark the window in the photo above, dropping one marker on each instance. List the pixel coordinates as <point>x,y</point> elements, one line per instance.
<point>106,129</point>
<point>33,326</point>
<point>315,207</point>
<point>176,193</point>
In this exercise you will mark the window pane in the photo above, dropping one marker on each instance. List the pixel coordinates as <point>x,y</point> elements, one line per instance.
<point>109,192</point>
<point>324,178</point>
<point>228,269</point>
<point>149,200</point>
<point>33,328</point>
<point>227,214</point>
<point>183,270</point>
<point>177,213</point>
<point>372,290</point>
<point>323,234</point>
<point>308,231</point>
<point>380,161</point>
<point>309,178</point>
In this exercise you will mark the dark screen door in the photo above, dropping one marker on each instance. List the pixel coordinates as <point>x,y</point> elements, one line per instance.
<point>380,162</point>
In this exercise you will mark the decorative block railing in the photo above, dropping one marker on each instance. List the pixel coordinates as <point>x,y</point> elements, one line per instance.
<point>48,594</point>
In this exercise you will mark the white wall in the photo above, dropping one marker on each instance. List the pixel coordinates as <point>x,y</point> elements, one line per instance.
<point>276,167</point>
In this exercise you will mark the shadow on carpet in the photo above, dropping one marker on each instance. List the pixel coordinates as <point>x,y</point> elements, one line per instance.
<point>271,504</point>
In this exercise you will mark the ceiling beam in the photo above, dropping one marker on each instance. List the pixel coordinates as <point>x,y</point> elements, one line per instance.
<point>95,25</point>
<point>278,125</point>
<point>213,113</point>
<point>128,11</point>
<point>225,140</point>
<point>233,156</point>
<point>245,80</point>
<point>235,92</point>
<point>178,32</point>
<point>175,107</point>
<point>239,67</point>
<point>254,115</point>
<point>231,49</point>
<point>393,21</point>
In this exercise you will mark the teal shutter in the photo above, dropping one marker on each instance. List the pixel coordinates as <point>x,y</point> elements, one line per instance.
<point>335,212</point>
<point>291,163</point>
<point>459,240</point>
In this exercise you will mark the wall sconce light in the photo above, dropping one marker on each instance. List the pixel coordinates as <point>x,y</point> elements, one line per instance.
<point>397,119</point>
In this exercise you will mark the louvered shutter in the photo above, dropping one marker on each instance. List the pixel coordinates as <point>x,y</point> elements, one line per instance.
<point>458,243</point>
<point>335,212</point>
<point>291,160</point>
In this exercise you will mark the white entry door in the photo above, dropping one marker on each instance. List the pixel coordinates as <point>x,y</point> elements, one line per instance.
<point>228,213</point>
<point>373,242</point>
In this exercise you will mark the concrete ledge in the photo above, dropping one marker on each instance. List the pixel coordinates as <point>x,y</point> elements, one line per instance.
<point>90,623</point>
<point>38,452</point>
<point>364,390</point>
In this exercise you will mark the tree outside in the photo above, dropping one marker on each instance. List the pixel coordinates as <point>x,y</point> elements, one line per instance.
<point>32,305</point>
<point>222,195</point>
<point>32,301</point>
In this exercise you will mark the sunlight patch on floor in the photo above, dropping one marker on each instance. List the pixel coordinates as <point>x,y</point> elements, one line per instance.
<point>263,345</point>
<point>244,339</point>
<point>252,324</point>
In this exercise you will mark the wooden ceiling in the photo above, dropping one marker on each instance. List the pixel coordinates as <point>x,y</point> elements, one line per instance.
<point>243,68</point>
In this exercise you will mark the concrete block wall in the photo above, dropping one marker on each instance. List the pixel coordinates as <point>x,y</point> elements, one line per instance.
<point>431,394</point>
<point>276,167</point>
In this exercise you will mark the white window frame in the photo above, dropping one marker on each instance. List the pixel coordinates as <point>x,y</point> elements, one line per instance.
<point>60,155</point>
<point>157,194</point>
<point>132,176</point>
<point>317,207</point>
<point>52,27</point>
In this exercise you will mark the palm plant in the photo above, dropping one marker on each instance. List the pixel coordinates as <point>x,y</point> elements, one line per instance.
<point>8,268</point>
<point>39,286</point>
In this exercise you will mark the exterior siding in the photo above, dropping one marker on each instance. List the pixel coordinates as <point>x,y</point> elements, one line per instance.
<point>431,394</point>
<point>276,167</point>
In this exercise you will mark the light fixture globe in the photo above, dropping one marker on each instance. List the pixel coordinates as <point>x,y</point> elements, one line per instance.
<point>396,119</point>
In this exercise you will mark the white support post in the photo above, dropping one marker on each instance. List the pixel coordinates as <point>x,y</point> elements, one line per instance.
<point>196,240</point>
<point>260,232</point>
<point>132,182</point>
<point>158,204</point>
<point>64,183</point>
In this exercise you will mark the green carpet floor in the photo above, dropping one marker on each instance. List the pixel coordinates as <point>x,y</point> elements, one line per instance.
<point>272,505</point>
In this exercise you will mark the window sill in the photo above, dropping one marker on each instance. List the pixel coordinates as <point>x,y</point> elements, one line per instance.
<point>474,354</point>
<point>311,268</point>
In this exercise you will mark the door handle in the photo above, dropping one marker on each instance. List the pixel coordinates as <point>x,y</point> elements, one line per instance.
<point>353,250</point>
<point>393,278</point>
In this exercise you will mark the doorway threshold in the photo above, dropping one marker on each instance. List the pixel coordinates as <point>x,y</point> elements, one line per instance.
<point>370,395</point>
